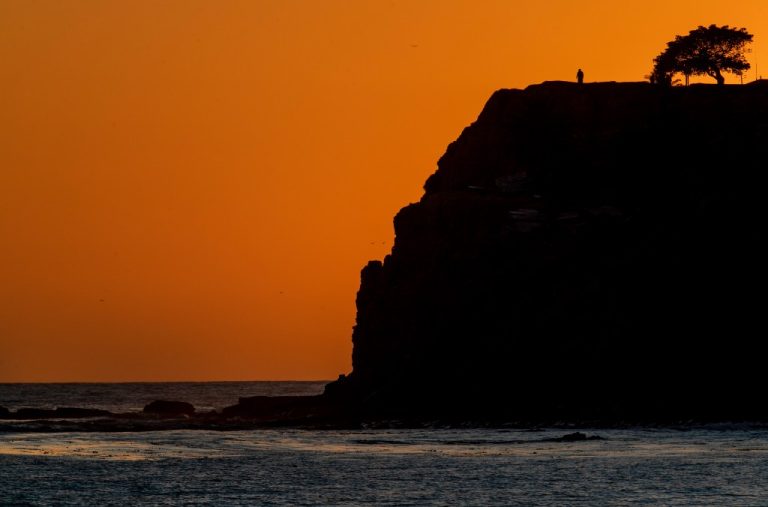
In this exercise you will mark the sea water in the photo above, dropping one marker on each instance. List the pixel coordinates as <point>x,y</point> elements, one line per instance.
<point>711,465</point>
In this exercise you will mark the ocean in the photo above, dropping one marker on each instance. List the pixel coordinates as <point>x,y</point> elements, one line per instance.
<point>723,464</point>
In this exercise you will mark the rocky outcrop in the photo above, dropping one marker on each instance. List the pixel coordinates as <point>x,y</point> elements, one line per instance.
<point>77,412</point>
<point>574,437</point>
<point>582,251</point>
<point>284,409</point>
<point>169,408</point>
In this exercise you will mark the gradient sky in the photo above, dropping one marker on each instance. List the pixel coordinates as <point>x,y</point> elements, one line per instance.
<point>189,189</point>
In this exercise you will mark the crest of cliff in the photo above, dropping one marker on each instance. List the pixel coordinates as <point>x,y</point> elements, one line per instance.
<point>590,250</point>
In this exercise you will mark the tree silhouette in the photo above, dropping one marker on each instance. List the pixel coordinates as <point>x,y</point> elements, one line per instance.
<point>706,51</point>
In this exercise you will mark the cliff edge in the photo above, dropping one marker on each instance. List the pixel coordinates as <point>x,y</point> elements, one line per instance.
<point>590,250</point>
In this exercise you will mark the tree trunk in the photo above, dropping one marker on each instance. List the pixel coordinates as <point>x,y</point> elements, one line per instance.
<point>719,77</point>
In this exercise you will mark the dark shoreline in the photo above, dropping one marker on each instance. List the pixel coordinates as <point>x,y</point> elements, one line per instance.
<point>320,413</point>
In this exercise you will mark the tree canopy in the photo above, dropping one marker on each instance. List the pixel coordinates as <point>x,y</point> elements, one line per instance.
<point>706,51</point>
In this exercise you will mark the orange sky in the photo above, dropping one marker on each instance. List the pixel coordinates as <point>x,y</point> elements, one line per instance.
<point>189,189</point>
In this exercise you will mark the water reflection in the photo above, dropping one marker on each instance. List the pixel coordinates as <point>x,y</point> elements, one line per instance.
<point>185,444</point>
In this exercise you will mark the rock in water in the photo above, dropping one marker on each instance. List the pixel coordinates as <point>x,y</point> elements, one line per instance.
<point>4,412</point>
<point>169,408</point>
<point>277,407</point>
<point>574,437</point>
<point>76,412</point>
<point>594,251</point>
<point>33,413</point>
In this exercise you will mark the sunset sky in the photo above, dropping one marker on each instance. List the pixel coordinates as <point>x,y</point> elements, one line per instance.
<point>189,189</point>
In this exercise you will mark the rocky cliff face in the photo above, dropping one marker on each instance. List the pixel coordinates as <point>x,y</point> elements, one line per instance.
<point>581,250</point>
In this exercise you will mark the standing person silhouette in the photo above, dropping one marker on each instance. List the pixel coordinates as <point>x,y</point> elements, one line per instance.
<point>580,76</point>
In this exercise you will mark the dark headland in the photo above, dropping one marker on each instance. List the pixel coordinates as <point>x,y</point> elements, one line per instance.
<point>584,253</point>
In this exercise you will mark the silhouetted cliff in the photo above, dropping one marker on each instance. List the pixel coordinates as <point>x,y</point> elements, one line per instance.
<point>581,251</point>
